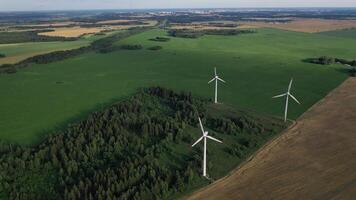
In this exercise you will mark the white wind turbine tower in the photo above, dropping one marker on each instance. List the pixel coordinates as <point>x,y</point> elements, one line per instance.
<point>287,94</point>
<point>205,136</point>
<point>216,79</point>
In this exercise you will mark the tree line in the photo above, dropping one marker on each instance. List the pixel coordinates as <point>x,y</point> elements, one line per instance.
<point>188,33</point>
<point>160,39</point>
<point>155,48</point>
<point>123,23</point>
<point>327,60</point>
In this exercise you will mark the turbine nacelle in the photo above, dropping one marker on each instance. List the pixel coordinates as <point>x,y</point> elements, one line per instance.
<point>205,133</point>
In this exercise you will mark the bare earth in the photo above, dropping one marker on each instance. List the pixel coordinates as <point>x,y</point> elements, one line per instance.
<point>314,159</point>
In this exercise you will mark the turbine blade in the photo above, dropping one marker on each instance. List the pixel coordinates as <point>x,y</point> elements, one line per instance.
<point>295,99</point>
<point>281,95</point>
<point>198,141</point>
<point>290,84</point>
<point>215,71</point>
<point>211,80</point>
<point>221,80</point>
<point>214,139</point>
<point>201,126</point>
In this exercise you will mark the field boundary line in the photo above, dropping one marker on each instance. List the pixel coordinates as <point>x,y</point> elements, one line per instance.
<point>285,135</point>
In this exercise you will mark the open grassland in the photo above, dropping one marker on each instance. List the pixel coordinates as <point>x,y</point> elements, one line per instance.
<point>200,27</point>
<point>307,25</point>
<point>315,159</point>
<point>346,33</point>
<point>255,66</point>
<point>20,51</point>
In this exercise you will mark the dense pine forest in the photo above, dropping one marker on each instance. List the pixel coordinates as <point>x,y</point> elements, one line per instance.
<point>139,148</point>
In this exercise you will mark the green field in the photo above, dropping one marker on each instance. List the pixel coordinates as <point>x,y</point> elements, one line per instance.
<point>257,66</point>
<point>346,33</point>
<point>20,51</point>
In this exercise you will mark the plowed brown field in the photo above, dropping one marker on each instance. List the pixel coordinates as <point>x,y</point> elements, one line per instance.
<point>314,159</point>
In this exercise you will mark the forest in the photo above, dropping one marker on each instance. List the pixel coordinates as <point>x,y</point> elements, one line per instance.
<point>118,152</point>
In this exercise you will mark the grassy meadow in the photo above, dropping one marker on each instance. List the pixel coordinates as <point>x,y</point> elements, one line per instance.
<point>347,33</point>
<point>40,98</point>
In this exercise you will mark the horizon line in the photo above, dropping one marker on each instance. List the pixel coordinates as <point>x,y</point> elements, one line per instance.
<point>177,8</point>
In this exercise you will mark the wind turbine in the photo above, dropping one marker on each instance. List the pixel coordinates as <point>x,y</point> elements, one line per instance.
<point>287,94</point>
<point>216,79</point>
<point>205,136</point>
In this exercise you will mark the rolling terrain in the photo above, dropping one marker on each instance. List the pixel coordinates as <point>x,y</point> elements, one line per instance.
<point>138,149</point>
<point>314,159</point>
<point>41,98</point>
<point>116,115</point>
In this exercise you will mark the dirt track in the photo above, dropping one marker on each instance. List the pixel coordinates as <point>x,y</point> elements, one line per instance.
<point>315,159</point>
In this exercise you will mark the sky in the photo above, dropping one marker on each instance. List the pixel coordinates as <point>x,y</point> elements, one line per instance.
<point>23,5</point>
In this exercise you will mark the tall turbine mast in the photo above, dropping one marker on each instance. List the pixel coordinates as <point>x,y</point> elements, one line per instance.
<point>287,94</point>
<point>205,137</point>
<point>216,79</point>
